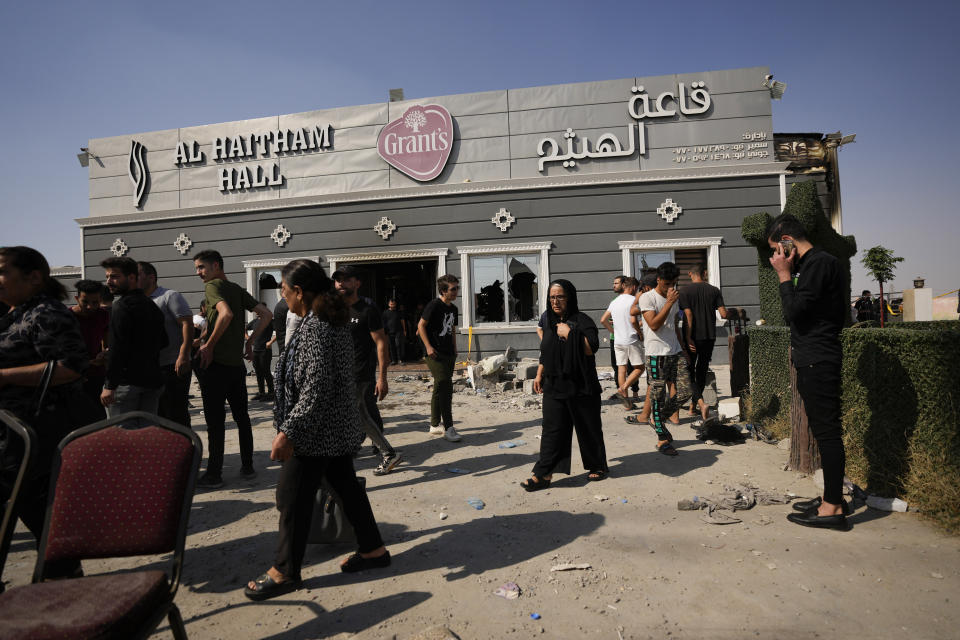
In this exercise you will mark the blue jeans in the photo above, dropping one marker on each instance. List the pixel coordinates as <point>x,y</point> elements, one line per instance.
<point>130,397</point>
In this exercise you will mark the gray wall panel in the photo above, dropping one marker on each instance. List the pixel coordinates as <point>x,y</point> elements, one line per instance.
<point>123,204</point>
<point>213,196</point>
<point>481,126</point>
<point>460,172</point>
<point>458,105</point>
<point>570,94</point>
<point>118,186</point>
<point>330,163</point>
<point>320,185</point>
<point>340,117</point>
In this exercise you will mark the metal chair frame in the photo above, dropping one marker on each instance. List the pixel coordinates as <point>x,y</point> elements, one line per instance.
<point>29,437</point>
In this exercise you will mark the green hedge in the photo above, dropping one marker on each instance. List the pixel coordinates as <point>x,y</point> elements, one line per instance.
<point>901,408</point>
<point>803,203</point>
<point>770,378</point>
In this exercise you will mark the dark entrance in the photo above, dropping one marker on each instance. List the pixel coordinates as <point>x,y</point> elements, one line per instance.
<point>412,283</point>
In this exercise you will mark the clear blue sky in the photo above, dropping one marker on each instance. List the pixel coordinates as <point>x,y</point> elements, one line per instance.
<point>883,70</point>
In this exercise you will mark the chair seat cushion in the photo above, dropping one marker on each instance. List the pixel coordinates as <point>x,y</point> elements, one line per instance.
<point>103,606</point>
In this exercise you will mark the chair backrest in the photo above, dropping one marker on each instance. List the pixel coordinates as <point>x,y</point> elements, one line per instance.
<point>20,455</point>
<point>120,492</point>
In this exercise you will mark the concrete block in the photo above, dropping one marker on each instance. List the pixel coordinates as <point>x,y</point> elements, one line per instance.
<point>528,386</point>
<point>526,371</point>
<point>729,408</point>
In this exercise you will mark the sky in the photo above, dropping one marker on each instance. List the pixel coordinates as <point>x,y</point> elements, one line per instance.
<point>883,70</point>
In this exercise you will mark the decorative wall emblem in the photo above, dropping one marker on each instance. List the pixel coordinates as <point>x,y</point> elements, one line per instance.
<point>280,235</point>
<point>419,143</point>
<point>137,170</point>
<point>119,247</point>
<point>502,220</point>
<point>669,210</point>
<point>182,244</point>
<point>385,227</point>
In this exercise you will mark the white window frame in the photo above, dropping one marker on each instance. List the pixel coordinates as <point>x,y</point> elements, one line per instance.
<point>711,244</point>
<point>466,284</point>
<point>252,266</point>
<point>440,253</point>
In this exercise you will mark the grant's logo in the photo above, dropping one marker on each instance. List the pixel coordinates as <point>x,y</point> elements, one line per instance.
<point>418,143</point>
<point>137,170</point>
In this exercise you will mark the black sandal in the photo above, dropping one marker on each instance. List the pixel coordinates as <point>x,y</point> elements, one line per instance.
<point>597,476</point>
<point>535,484</point>
<point>667,449</point>
<point>267,587</point>
<point>357,562</point>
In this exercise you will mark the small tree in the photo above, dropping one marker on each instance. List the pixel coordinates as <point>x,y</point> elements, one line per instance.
<point>881,263</point>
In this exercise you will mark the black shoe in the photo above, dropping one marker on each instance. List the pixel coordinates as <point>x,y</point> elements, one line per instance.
<point>248,472</point>
<point>356,562</point>
<point>807,505</point>
<point>257,397</point>
<point>811,519</point>
<point>209,481</point>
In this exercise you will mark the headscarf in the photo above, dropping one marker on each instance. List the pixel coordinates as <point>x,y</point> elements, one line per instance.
<point>562,357</point>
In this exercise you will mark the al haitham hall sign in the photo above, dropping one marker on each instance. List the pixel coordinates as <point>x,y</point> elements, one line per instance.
<point>656,123</point>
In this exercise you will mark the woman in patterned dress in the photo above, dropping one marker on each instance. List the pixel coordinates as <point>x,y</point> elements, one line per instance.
<point>36,329</point>
<point>318,430</point>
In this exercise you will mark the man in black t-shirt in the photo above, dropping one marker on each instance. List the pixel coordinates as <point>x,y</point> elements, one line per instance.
<point>438,331</point>
<point>370,346</point>
<point>700,302</point>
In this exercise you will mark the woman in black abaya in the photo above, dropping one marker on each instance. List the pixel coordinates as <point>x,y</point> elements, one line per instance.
<point>567,377</point>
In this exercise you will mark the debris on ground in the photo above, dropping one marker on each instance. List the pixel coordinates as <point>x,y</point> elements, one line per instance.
<point>732,498</point>
<point>509,590</point>
<point>511,444</point>
<point>567,566</point>
<point>476,503</point>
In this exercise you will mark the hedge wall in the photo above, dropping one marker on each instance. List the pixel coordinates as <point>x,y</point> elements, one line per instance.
<point>901,408</point>
<point>804,203</point>
<point>770,378</point>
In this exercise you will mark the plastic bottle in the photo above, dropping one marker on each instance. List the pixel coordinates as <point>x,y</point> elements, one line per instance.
<point>886,504</point>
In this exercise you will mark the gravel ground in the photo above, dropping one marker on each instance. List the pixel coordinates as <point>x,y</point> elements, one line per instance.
<point>654,571</point>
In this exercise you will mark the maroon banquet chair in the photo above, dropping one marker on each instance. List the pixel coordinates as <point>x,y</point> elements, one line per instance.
<point>115,492</point>
<point>29,455</point>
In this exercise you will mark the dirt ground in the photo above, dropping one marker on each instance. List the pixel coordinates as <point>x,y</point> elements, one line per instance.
<point>655,571</point>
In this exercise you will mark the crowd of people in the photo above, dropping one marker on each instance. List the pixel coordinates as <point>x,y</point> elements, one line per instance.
<point>137,354</point>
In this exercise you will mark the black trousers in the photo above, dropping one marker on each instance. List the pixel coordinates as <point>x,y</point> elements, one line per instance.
<point>296,493</point>
<point>223,383</point>
<point>398,346</point>
<point>561,416</point>
<point>173,397</point>
<point>699,365</point>
<point>819,387</point>
<point>261,366</point>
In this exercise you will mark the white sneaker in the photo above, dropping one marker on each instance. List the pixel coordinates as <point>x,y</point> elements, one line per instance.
<point>451,435</point>
<point>436,431</point>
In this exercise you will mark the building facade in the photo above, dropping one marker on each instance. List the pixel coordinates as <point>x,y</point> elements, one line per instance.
<point>507,190</point>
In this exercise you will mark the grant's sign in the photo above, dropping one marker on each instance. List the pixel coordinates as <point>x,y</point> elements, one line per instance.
<point>419,142</point>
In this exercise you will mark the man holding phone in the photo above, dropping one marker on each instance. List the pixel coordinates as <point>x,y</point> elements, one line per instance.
<point>812,294</point>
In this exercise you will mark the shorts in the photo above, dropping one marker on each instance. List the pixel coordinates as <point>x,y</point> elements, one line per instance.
<point>632,353</point>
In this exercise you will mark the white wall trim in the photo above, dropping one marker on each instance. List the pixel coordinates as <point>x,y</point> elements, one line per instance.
<point>440,253</point>
<point>251,266</point>
<point>466,291</point>
<point>493,186</point>
<point>783,191</point>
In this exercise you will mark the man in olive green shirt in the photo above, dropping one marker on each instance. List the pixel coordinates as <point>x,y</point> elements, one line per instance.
<point>221,361</point>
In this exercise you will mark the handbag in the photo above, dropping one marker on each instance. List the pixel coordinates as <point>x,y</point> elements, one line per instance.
<point>329,524</point>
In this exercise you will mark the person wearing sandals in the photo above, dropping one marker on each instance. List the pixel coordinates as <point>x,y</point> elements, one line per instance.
<point>318,430</point>
<point>662,344</point>
<point>567,377</point>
